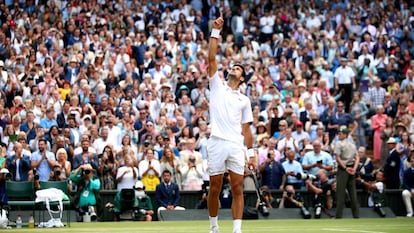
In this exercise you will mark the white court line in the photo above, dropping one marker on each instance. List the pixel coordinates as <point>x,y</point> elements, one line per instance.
<point>349,230</point>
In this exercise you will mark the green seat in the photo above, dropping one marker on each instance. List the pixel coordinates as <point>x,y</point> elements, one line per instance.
<point>20,194</point>
<point>62,185</point>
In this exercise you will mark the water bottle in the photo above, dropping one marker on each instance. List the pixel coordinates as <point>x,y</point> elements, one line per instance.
<point>31,223</point>
<point>19,221</point>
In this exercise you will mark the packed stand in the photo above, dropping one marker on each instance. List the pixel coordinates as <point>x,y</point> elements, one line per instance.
<point>120,89</point>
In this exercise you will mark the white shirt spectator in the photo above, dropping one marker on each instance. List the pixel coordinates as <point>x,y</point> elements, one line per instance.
<point>344,75</point>
<point>128,180</point>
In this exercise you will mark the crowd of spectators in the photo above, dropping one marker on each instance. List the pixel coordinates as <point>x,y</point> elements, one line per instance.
<point>123,86</point>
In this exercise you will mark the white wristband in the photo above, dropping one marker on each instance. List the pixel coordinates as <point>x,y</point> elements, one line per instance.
<point>215,33</point>
<point>250,153</point>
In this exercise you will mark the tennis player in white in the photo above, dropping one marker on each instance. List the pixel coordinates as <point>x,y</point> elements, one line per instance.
<point>231,115</point>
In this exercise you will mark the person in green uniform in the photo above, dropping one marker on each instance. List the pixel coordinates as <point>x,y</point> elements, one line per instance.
<point>133,199</point>
<point>87,185</point>
<point>348,159</point>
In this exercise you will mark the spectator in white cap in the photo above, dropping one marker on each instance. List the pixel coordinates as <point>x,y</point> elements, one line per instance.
<point>4,176</point>
<point>392,166</point>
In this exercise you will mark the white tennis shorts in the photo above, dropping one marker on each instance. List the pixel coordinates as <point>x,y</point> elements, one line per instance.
<point>223,155</point>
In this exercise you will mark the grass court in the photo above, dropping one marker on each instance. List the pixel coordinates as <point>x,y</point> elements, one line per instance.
<point>365,225</point>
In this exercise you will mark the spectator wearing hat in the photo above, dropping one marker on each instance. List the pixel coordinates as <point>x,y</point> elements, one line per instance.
<point>4,176</point>
<point>348,160</point>
<point>71,70</point>
<point>300,135</point>
<point>87,185</point>
<point>345,82</point>
<point>393,165</point>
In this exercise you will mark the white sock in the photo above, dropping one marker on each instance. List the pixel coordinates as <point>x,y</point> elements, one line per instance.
<point>237,225</point>
<point>213,221</point>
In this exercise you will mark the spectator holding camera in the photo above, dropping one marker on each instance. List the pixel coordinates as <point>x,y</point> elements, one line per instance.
<point>149,170</point>
<point>317,159</point>
<point>192,174</point>
<point>322,187</point>
<point>108,167</point>
<point>292,168</point>
<point>267,198</point>
<point>290,199</point>
<point>272,172</point>
<point>87,184</point>
<point>64,164</point>
<point>376,189</point>
<point>142,205</point>
<point>42,160</point>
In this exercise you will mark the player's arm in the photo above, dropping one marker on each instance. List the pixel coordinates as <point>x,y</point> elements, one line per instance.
<point>212,50</point>
<point>248,136</point>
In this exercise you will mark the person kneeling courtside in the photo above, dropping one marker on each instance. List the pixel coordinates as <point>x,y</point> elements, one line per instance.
<point>85,197</point>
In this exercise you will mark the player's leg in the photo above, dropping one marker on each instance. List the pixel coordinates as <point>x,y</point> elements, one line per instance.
<point>237,204</point>
<point>213,201</point>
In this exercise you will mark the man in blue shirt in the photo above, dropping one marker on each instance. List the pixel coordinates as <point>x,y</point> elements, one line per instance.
<point>317,159</point>
<point>49,120</point>
<point>292,168</point>
<point>43,160</point>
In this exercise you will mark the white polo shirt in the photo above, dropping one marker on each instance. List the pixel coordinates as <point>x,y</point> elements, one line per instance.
<point>344,75</point>
<point>228,110</point>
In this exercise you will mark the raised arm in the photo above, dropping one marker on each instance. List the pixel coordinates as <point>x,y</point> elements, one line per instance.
<point>212,51</point>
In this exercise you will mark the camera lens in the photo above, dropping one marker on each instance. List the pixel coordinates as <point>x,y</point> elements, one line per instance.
<point>86,172</point>
<point>57,173</point>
